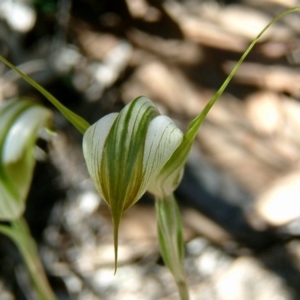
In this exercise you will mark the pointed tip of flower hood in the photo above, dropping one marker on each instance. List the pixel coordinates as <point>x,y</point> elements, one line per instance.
<point>126,153</point>
<point>113,149</point>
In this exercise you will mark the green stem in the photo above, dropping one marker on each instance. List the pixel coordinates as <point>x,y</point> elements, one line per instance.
<point>183,290</point>
<point>20,234</point>
<point>171,242</point>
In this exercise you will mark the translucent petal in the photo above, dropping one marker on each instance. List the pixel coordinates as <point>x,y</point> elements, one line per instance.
<point>171,174</point>
<point>162,139</point>
<point>18,154</point>
<point>93,143</point>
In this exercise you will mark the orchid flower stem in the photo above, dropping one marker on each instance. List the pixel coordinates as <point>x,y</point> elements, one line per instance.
<point>171,240</point>
<point>19,232</point>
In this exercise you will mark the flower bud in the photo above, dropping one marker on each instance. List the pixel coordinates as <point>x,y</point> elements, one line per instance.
<point>126,151</point>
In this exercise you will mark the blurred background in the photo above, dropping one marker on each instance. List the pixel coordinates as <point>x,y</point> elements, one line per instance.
<point>239,197</point>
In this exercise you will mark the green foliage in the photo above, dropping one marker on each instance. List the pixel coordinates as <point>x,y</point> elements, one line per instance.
<point>19,232</point>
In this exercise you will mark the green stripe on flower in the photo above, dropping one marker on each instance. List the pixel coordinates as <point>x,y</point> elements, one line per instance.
<point>125,152</point>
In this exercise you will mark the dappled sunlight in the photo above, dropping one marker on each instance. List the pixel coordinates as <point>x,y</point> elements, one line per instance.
<point>239,197</point>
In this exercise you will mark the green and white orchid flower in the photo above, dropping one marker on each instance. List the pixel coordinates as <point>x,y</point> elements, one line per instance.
<point>20,123</point>
<point>126,152</point>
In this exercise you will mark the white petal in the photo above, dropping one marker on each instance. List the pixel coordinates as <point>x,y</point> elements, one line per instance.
<point>93,144</point>
<point>162,138</point>
<point>122,160</point>
<point>24,129</point>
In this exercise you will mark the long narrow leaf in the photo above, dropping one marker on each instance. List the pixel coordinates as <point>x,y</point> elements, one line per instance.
<point>196,123</point>
<point>170,173</point>
<point>78,122</point>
